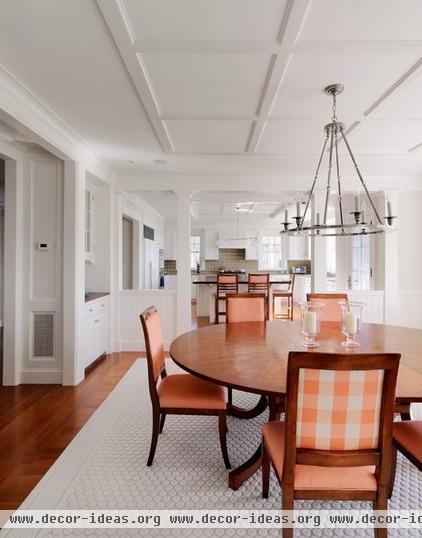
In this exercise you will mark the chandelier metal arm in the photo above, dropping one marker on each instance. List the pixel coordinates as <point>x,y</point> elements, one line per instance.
<point>360,177</point>
<point>314,182</point>
<point>330,164</point>
<point>340,202</point>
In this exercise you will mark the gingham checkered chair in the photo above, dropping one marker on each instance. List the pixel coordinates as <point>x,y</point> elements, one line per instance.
<point>336,442</point>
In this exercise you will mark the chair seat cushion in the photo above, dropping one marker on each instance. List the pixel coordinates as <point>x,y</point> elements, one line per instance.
<point>312,476</point>
<point>408,434</point>
<point>189,392</point>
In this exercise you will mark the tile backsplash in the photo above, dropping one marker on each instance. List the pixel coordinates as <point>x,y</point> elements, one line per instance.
<point>231,259</point>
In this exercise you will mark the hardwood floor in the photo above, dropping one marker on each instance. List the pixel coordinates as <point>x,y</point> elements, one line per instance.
<point>37,422</point>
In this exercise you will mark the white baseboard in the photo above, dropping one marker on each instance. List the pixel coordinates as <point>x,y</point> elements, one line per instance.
<point>42,377</point>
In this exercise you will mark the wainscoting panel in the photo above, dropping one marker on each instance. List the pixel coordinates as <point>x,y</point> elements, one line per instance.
<point>132,303</point>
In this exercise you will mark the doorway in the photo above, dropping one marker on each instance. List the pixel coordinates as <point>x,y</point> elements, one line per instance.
<point>127,253</point>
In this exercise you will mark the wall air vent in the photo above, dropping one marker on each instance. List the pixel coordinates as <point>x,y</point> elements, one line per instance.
<point>43,331</point>
<point>148,233</point>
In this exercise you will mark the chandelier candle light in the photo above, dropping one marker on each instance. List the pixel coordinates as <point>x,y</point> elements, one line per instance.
<point>334,131</point>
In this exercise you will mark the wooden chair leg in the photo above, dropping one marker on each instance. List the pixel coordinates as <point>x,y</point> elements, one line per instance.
<point>230,396</point>
<point>287,504</point>
<point>266,468</point>
<point>381,504</point>
<point>163,419</point>
<point>217,308</point>
<point>222,428</point>
<point>154,437</point>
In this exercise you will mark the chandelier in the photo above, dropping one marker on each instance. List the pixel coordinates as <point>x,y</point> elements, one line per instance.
<point>358,226</point>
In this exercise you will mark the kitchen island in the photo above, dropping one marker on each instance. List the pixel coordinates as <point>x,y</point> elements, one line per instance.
<point>207,287</point>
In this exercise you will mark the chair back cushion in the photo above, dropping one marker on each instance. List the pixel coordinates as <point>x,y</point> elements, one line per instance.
<point>331,310</point>
<point>338,409</point>
<point>245,307</point>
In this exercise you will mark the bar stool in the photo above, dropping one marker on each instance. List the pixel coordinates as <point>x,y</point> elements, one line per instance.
<point>285,294</point>
<point>225,284</point>
<point>260,283</point>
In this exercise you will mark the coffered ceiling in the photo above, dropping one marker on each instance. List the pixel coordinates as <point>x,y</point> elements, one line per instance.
<point>226,87</point>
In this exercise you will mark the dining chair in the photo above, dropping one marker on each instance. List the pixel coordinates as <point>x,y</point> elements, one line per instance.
<point>246,307</point>
<point>407,438</point>
<point>225,284</point>
<point>331,310</point>
<point>285,294</point>
<point>260,283</point>
<point>336,441</point>
<point>178,394</point>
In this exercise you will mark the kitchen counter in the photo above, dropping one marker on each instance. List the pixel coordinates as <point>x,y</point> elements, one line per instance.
<point>243,279</point>
<point>95,295</point>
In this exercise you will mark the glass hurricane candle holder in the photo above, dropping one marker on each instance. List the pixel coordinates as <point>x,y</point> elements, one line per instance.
<point>311,322</point>
<point>351,316</point>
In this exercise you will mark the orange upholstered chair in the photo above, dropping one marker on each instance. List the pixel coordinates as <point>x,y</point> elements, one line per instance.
<point>331,310</point>
<point>336,442</point>
<point>178,394</point>
<point>226,283</point>
<point>407,437</point>
<point>246,307</point>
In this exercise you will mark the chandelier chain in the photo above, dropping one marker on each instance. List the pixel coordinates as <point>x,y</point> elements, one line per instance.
<point>334,118</point>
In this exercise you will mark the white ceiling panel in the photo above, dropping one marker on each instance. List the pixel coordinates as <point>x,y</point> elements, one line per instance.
<point>286,136</point>
<point>205,19</point>
<point>365,76</point>
<point>363,20</point>
<point>208,136</point>
<point>406,102</point>
<point>207,84</point>
<point>386,136</point>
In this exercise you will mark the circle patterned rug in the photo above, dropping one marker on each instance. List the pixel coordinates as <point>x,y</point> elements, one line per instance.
<point>105,468</point>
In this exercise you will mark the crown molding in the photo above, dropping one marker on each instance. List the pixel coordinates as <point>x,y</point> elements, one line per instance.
<point>27,114</point>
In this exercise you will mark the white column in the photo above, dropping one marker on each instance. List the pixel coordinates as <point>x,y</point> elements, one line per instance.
<point>318,248</point>
<point>73,270</point>
<point>183,323</point>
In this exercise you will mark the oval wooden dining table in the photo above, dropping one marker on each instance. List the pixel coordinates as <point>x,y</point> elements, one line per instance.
<point>252,357</point>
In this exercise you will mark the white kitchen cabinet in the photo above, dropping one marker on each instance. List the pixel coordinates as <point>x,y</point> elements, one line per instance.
<point>170,282</point>
<point>252,251</point>
<point>169,244</point>
<point>95,330</point>
<point>211,245</point>
<point>194,286</point>
<point>89,225</point>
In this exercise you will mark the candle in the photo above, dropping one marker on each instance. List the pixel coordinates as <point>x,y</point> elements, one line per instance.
<point>298,209</point>
<point>310,322</point>
<point>363,217</point>
<point>357,203</point>
<point>389,211</point>
<point>350,323</point>
<point>317,219</point>
<point>286,216</point>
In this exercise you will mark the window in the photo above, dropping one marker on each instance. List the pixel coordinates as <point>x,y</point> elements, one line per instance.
<point>361,271</point>
<point>195,251</point>
<point>271,252</point>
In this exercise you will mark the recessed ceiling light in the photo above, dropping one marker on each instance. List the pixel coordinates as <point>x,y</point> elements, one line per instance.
<point>160,161</point>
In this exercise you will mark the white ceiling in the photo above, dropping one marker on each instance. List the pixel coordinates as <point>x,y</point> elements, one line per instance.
<point>225,87</point>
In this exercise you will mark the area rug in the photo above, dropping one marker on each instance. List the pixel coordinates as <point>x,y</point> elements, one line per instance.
<point>104,467</point>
